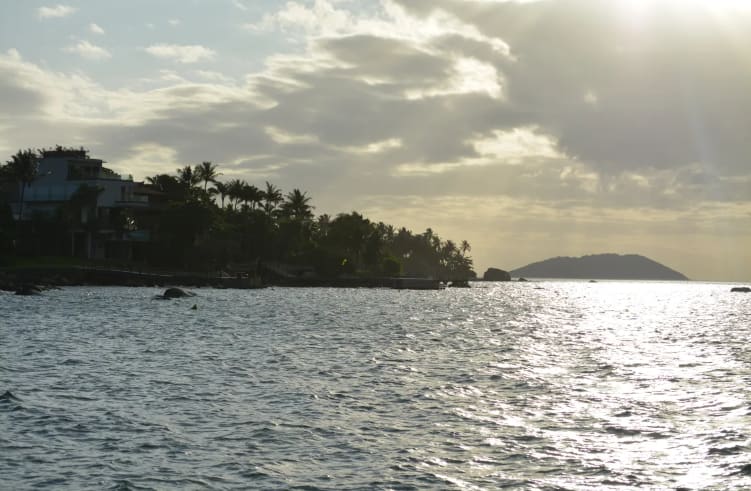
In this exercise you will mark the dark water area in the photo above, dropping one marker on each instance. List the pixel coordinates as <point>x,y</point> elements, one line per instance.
<point>549,386</point>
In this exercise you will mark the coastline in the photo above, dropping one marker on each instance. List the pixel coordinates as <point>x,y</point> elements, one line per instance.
<point>46,277</point>
<point>11,278</point>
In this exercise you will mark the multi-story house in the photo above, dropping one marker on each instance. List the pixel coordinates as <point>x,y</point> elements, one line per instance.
<point>103,201</point>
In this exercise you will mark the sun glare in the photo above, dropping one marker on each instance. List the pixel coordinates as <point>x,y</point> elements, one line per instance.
<point>639,8</point>
<point>639,13</point>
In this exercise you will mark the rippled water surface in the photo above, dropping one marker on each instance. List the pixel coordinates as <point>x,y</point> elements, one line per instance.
<point>550,385</point>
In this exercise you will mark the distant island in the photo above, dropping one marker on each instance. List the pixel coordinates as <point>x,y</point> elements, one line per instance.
<point>600,266</point>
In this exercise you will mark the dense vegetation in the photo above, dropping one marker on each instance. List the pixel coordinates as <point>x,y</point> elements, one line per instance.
<point>202,223</point>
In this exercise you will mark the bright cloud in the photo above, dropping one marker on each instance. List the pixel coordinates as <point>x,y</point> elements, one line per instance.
<point>95,29</point>
<point>55,11</point>
<point>181,53</point>
<point>321,17</point>
<point>89,51</point>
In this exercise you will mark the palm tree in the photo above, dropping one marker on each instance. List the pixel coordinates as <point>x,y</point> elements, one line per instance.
<point>251,195</point>
<point>188,177</point>
<point>465,247</point>
<point>296,206</point>
<point>84,201</point>
<point>220,188</point>
<point>82,208</point>
<point>23,168</point>
<point>235,190</point>
<point>206,172</point>
<point>449,248</point>
<point>272,196</point>
<point>172,186</point>
<point>324,222</point>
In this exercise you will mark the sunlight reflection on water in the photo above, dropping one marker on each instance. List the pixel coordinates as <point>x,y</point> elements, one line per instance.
<point>535,386</point>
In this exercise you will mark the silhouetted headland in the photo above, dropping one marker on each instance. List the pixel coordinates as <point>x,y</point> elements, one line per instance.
<point>66,219</point>
<point>495,274</point>
<point>601,267</point>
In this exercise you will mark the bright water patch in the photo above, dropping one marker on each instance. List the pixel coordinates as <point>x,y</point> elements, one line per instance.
<point>553,385</point>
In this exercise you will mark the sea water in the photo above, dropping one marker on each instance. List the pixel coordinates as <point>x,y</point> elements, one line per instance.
<point>539,385</point>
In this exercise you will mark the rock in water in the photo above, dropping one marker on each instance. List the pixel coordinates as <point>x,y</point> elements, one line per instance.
<point>741,289</point>
<point>495,274</point>
<point>177,293</point>
<point>28,290</point>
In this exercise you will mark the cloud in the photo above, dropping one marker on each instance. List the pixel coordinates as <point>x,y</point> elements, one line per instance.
<point>659,89</point>
<point>95,29</point>
<point>213,76</point>
<point>33,94</point>
<point>321,17</point>
<point>56,11</point>
<point>531,123</point>
<point>181,53</point>
<point>240,5</point>
<point>89,51</point>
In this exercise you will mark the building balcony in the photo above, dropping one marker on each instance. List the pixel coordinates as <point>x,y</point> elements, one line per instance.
<point>133,201</point>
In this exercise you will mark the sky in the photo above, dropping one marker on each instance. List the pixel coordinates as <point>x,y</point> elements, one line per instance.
<point>532,129</point>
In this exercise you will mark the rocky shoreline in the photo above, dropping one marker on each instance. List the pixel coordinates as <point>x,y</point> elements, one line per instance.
<point>36,280</point>
<point>30,281</point>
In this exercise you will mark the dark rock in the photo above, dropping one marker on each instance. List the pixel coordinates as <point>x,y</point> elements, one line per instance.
<point>522,280</point>
<point>459,284</point>
<point>177,293</point>
<point>495,274</point>
<point>741,289</point>
<point>28,290</point>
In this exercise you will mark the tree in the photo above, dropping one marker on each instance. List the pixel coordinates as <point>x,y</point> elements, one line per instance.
<point>81,210</point>
<point>235,191</point>
<point>219,188</point>
<point>348,234</point>
<point>296,206</point>
<point>171,186</point>
<point>251,195</point>
<point>206,172</point>
<point>23,168</point>
<point>465,247</point>
<point>322,226</point>
<point>272,196</point>
<point>188,177</point>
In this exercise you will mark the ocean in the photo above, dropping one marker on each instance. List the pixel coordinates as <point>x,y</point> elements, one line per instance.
<point>551,385</point>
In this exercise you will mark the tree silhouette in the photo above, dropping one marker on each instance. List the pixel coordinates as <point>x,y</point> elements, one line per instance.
<point>235,191</point>
<point>23,168</point>
<point>219,188</point>
<point>297,206</point>
<point>465,247</point>
<point>188,177</point>
<point>251,195</point>
<point>206,172</point>
<point>272,196</point>
<point>188,228</point>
